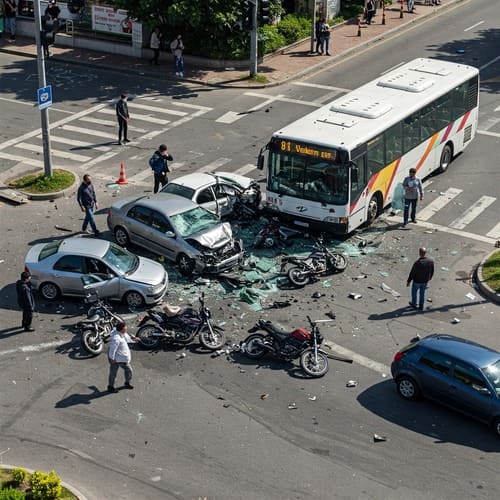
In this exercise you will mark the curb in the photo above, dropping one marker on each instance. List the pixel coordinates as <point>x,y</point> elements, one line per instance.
<point>68,486</point>
<point>484,288</point>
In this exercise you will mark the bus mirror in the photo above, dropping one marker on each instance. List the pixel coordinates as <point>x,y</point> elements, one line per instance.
<point>260,162</point>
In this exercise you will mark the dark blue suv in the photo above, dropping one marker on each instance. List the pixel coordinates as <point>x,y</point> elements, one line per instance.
<point>453,371</point>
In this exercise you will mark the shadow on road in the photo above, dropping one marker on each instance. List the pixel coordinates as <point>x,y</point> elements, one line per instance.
<point>81,399</point>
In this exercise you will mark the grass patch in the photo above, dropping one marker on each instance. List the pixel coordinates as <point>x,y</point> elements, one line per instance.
<point>255,79</point>
<point>491,271</point>
<point>40,184</point>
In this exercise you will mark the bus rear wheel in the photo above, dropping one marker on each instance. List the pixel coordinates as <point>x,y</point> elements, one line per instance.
<point>446,157</point>
<point>373,209</point>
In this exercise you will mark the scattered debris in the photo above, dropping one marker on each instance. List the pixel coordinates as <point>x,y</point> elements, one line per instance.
<point>383,299</point>
<point>331,315</point>
<point>181,355</point>
<point>352,383</point>
<point>140,416</point>
<point>354,296</point>
<point>383,273</point>
<point>359,277</point>
<point>470,296</point>
<point>362,244</point>
<point>312,398</point>
<point>292,406</point>
<point>444,268</point>
<point>279,304</point>
<point>377,438</point>
<point>317,295</point>
<point>455,321</point>
<point>264,396</point>
<point>327,283</point>
<point>226,405</point>
<point>415,339</point>
<point>453,252</point>
<point>388,289</point>
<point>63,229</point>
<point>202,281</point>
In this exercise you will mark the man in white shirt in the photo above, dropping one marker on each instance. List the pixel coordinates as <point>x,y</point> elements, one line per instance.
<point>119,356</point>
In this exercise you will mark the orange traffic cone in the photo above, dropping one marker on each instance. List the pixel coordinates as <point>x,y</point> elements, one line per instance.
<point>122,179</point>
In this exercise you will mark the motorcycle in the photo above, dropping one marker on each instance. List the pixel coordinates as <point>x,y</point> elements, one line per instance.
<point>320,261</point>
<point>289,345</point>
<point>245,206</point>
<point>175,325</point>
<point>274,233</point>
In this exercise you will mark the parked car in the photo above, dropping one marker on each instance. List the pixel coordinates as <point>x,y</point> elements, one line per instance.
<point>57,269</point>
<point>452,371</point>
<point>215,192</point>
<point>177,228</point>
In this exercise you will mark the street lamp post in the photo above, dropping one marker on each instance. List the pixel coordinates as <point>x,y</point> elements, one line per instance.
<point>313,26</point>
<point>253,40</point>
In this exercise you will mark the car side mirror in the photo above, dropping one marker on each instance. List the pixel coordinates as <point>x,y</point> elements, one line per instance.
<point>170,234</point>
<point>260,162</point>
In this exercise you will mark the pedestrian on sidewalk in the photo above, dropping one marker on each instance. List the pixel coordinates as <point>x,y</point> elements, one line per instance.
<point>370,11</point>
<point>413,188</point>
<point>10,17</point>
<point>421,273</point>
<point>326,38</point>
<point>159,165</point>
<point>88,203</point>
<point>177,48</point>
<point>119,356</point>
<point>317,33</point>
<point>410,5</point>
<point>26,300</point>
<point>154,43</point>
<point>123,117</point>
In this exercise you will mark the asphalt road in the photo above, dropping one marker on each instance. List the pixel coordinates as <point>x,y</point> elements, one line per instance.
<point>197,427</point>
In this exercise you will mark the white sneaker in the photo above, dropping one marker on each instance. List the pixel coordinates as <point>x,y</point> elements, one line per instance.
<point>181,74</point>
<point>177,74</point>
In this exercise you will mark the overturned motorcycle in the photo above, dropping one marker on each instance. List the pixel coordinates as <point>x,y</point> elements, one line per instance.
<point>180,326</point>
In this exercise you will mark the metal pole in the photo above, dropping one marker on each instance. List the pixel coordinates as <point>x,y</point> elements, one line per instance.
<point>44,113</point>
<point>313,27</point>
<point>253,40</point>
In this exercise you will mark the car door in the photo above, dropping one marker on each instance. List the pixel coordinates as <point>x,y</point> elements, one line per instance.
<point>470,392</point>
<point>434,374</point>
<point>163,244</point>
<point>139,225</point>
<point>223,194</point>
<point>99,272</point>
<point>205,198</point>
<point>67,272</point>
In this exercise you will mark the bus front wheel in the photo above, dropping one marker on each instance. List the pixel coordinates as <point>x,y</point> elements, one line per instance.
<point>446,157</point>
<point>373,209</point>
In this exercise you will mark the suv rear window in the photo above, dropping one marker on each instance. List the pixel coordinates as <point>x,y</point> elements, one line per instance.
<point>48,250</point>
<point>436,361</point>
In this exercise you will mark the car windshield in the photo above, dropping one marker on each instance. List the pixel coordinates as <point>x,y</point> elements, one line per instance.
<point>184,191</point>
<point>492,373</point>
<point>48,250</point>
<point>193,221</point>
<point>118,258</point>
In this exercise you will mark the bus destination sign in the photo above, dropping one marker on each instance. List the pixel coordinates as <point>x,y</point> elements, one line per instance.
<point>303,149</point>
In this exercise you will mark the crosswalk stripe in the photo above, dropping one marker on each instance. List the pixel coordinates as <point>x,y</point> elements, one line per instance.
<point>319,86</point>
<point>205,109</point>
<point>146,118</point>
<point>210,167</point>
<point>109,123</point>
<point>54,152</point>
<point>99,159</point>
<point>88,131</point>
<point>495,232</point>
<point>434,206</point>
<point>27,161</point>
<point>245,169</point>
<point>229,117</point>
<point>73,142</point>
<point>156,109</point>
<point>472,212</point>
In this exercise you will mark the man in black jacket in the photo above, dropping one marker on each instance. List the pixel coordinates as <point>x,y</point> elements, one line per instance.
<point>123,117</point>
<point>25,300</point>
<point>421,273</point>
<point>88,202</point>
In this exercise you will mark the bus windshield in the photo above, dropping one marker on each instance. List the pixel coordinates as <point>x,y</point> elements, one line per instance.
<point>308,178</point>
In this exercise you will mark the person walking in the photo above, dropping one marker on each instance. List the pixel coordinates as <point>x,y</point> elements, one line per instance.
<point>88,203</point>
<point>154,43</point>
<point>413,189</point>
<point>177,48</point>
<point>421,273</point>
<point>123,117</point>
<point>159,165</point>
<point>119,356</point>
<point>10,17</point>
<point>26,300</point>
<point>370,11</point>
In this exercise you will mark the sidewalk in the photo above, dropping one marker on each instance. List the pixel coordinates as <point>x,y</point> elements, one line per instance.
<point>289,63</point>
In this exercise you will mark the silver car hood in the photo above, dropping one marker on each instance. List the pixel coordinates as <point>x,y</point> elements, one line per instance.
<point>148,271</point>
<point>214,238</point>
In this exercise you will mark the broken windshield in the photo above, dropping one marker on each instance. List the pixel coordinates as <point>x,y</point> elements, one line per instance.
<point>193,221</point>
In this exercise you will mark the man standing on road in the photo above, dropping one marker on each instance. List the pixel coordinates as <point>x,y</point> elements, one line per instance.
<point>88,202</point>
<point>421,273</point>
<point>159,166</point>
<point>25,300</point>
<point>123,118</point>
<point>119,356</point>
<point>413,188</point>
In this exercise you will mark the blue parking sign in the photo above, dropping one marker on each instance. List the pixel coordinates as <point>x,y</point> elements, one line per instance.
<point>45,97</point>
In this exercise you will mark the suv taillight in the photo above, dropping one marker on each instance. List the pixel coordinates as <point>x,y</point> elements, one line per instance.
<point>398,356</point>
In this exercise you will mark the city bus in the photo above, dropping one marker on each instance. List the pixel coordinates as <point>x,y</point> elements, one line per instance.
<point>338,167</point>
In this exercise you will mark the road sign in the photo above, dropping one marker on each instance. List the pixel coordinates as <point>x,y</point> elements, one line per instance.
<point>45,97</point>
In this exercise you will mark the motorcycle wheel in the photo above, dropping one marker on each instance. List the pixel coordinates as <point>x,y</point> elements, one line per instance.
<point>92,342</point>
<point>311,368</point>
<point>209,341</point>
<point>253,346</point>
<point>340,262</point>
<point>145,334</point>
<point>298,277</point>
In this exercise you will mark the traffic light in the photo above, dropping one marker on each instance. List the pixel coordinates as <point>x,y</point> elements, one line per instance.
<point>264,11</point>
<point>246,13</point>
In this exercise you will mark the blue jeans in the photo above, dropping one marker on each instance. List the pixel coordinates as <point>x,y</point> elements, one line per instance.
<point>89,217</point>
<point>419,288</point>
<point>179,64</point>
<point>413,204</point>
<point>10,25</point>
<point>113,370</point>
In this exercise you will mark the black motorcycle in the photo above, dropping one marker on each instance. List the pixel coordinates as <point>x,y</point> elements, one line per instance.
<point>273,234</point>
<point>289,345</point>
<point>245,205</point>
<point>180,326</point>
<point>320,261</point>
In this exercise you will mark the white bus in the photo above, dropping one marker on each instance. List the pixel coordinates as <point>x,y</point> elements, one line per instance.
<point>337,167</point>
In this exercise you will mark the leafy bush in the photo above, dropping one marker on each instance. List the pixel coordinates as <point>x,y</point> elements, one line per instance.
<point>11,494</point>
<point>270,39</point>
<point>351,8</point>
<point>45,486</point>
<point>19,475</point>
<point>294,28</point>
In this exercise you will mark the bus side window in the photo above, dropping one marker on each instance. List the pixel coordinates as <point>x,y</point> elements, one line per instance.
<point>393,143</point>
<point>411,132</point>
<point>376,155</point>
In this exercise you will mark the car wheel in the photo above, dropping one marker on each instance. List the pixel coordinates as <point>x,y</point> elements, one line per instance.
<point>446,157</point>
<point>186,264</point>
<point>121,236</point>
<point>133,299</point>
<point>49,291</point>
<point>496,426</point>
<point>407,388</point>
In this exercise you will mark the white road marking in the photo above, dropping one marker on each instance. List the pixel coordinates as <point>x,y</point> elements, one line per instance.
<point>210,167</point>
<point>327,97</point>
<point>358,358</point>
<point>487,132</point>
<point>144,174</point>
<point>472,212</point>
<point>109,123</point>
<point>27,161</point>
<point>205,109</point>
<point>474,26</point>
<point>183,120</point>
<point>427,212</point>
<point>495,232</point>
<point>229,117</point>
<point>88,131</point>
<point>112,180</point>
<point>73,142</point>
<point>245,169</point>
<point>156,109</point>
<point>493,61</point>
<point>34,348</point>
<point>135,116</point>
<point>282,98</point>
<point>18,101</point>
<point>318,86</point>
<point>99,159</point>
<point>497,109</point>
<point>55,152</point>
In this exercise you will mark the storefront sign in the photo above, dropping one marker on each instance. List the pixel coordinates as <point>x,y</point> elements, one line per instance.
<point>109,20</point>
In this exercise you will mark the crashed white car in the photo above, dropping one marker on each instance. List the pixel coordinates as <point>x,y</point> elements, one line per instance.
<point>177,228</point>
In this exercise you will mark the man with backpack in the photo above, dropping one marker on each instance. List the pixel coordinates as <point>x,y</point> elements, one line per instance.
<point>159,166</point>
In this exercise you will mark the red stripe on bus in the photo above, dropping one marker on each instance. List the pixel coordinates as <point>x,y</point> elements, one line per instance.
<point>427,151</point>
<point>447,133</point>
<point>464,120</point>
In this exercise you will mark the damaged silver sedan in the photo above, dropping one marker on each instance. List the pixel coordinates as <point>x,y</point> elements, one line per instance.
<point>177,228</point>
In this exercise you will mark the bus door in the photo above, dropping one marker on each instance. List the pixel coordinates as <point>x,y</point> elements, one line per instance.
<point>358,192</point>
